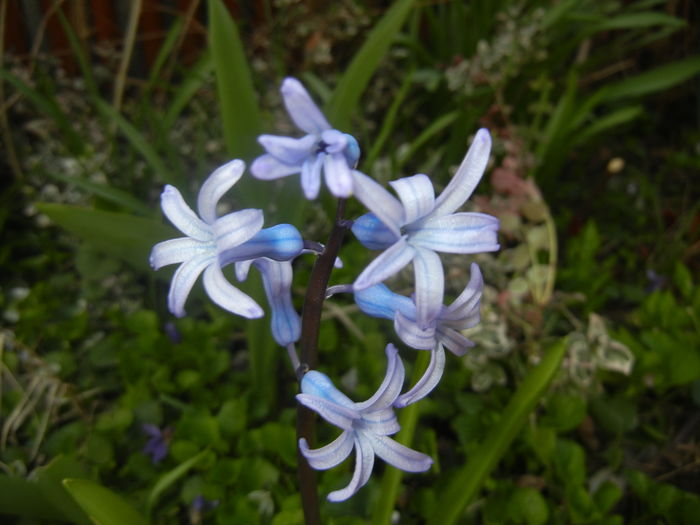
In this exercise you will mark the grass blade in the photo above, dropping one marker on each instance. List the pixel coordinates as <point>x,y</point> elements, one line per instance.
<point>346,96</point>
<point>464,485</point>
<point>657,79</point>
<point>170,477</point>
<point>239,105</point>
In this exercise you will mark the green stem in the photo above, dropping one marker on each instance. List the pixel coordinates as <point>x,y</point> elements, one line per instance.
<point>391,481</point>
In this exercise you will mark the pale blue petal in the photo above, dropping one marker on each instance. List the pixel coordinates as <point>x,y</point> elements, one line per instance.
<point>183,280</point>
<point>301,108</point>
<point>277,280</point>
<point>409,332</point>
<point>334,141</point>
<point>352,151</point>
<point>468,300</point>
<point>334,413</point>
<point>379,201</point>
<point>178,250</point>
<point>430,286</point>
<point>236,228</point>
<point>218,183</point>
<point>182,216</point>
<point>417,196</point>
<point>311,175</point>
<point>364,461</point>
<point>428,381</point>
<point>267,167</point>
<point>398,455</point>
<point>379,301</point>
<point>454,341</point>
<point>467,177</point>
<point>228,296</point>
<point>289,150</point>
<point>458,233</point>
<point>330,455</point>
<point>391,385</point>
<point>337,174</point>
<point>282,242</point>
<point>372,233</point>
<point>318,384</point>
<point>241,269</point>
<point>381,422</point>
<point>385,265</point>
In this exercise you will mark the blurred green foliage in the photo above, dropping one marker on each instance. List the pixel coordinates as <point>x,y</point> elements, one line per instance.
<point>593,107</point>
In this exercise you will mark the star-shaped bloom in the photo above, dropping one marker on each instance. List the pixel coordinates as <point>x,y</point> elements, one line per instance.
<point>414,227</point>
<point>212,242</point>
<point>366,427</point>
<point>277,281</point>
<point>322,149</point>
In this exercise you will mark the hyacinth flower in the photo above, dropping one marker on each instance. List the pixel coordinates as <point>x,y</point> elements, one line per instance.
<point>366,427</point>
<point>416,226</point>
<point>277,281</point>
<point>212,242</point>
<point>322,149</point>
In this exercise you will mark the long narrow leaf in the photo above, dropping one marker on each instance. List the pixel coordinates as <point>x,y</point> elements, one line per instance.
<point>466,483</point>
<point>638,20</point>
<point>346,96</point>
<point>122,235</point>
<point>188,88</point>
<point>102,505</point>
<point>654,80</point>
<point>139,142</point>
<point>616,118</point>
<point>170,477</point>
<point>239,105</point>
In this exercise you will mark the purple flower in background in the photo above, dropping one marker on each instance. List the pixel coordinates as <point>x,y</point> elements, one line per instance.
<point>366,427</point>
<point>157,445</point>
<point>322,149</point>
<point>416,226</point>
<point>212,242</point>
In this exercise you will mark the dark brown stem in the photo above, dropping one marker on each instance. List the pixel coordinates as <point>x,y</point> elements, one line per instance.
<point>310,326</point>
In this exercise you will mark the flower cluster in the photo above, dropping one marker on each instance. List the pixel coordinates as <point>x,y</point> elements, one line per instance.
<point>414,228</point>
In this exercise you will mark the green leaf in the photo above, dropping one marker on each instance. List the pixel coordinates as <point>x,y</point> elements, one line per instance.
<point>49,479</point>
<point>169,478</point>
<point>138,141</point>
<point>346,96</point>
<point>187,87</point>
<point>638,20</point>
<point>239,106</point>
<point>102,505</point>
<point>602,124</point>
<point>19,497</point>
<point>657,79</point>
<point>122,235</point>
<point>465,484</point>
<point>105,191</point>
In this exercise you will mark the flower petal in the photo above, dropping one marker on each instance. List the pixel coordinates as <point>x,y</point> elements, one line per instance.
<point>330,455</point>
<point>458,233</point>
<point>364,461</point>
<point>334,413</point>
<point>177,251</point>
<point>379,201</point>
<point>428,381</point>
<point>385,265</point>
<point>399,456</point>
<point>182,216</point>
<point>372,233</point>
<point>417,196</point>
<point>468,300</point>
<point>337,174</point>
<point>409,332</point>
<point>467,177</point>
<point>430,286</point>
<point>454,341</point>
<point>267,167</point>
<point>379,301</point>
<point>241,269</point>
<point>303,111</point>
<point>381,422</point>
<point>391,385</point>
<point>277,280</point>
<point>183,281</point>
<point>236,228</point>
<point>218,183</point>
<point>334,141</point>
<point>282,242</point>
<point>227,296</point>
<point>311,175</point>
<point>289,150</point>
